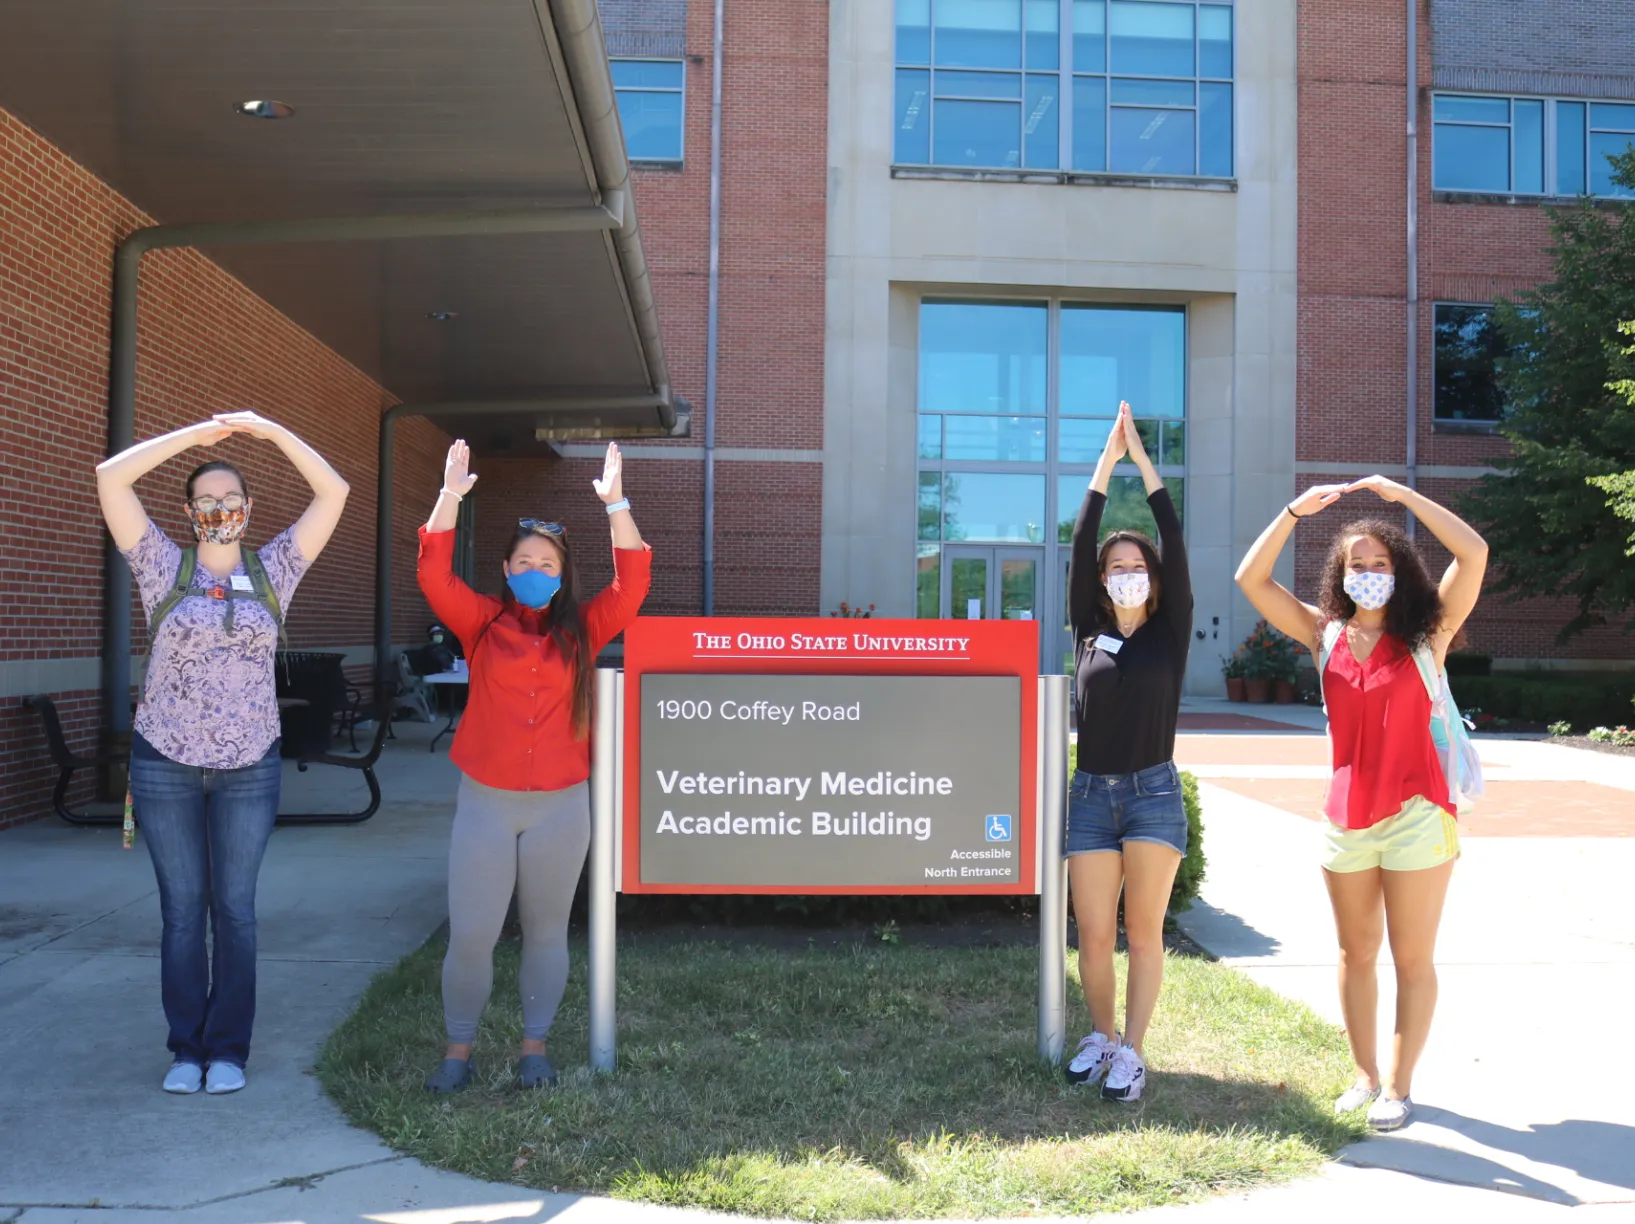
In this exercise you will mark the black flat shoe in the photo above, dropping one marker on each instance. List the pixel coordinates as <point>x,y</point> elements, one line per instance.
<point>452,1074</point>
<point>535,1071</point>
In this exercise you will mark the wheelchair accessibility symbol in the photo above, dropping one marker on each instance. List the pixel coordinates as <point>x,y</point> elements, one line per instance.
<point>998,828</point>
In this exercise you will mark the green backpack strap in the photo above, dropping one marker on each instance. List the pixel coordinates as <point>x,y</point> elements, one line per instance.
<point>264,590</point>
<point>178,589</point>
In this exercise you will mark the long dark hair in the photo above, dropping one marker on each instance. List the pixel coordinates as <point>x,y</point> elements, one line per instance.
<point>564,624</point>
<point>1415,610</point>
<point>1149,554</point>
<point>215,465</point>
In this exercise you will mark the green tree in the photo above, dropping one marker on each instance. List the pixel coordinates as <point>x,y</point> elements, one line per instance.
<point>1620,487</point>
<point>1551,531</point>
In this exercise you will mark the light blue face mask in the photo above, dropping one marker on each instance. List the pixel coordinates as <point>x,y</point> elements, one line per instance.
<point>533,588</point>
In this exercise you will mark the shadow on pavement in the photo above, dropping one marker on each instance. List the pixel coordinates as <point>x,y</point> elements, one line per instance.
<point>1225,934</point>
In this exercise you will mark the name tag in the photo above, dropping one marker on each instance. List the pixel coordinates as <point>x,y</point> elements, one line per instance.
<point>241,582</point>
<point>1111,645</point>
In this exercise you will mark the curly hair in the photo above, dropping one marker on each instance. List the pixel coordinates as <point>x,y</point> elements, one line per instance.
<point>1149,554</point>
<point>1415,610</point>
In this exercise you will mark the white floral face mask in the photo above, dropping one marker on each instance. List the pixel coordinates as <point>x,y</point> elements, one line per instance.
<point>1370,590</point>
<point>1129,590</point>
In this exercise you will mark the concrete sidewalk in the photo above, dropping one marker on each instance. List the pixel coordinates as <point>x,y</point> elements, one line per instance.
<point>87,1137</point>
<point>1526,1083</point>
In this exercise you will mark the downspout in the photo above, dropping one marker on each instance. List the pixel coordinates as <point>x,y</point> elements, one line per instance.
<point>712,335</point>
<point>1412,456</point>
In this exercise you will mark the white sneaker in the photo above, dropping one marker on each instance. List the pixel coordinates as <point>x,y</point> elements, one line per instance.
<point>1389,1113</point>
<point>184,1078</point>
<point>1089,1065</point>
<point>1126,1077</point>
<point>223,1077</point>
<point>1355,1097</point>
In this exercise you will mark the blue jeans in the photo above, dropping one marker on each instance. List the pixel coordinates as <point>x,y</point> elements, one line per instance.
<point>206,831</point>
<point>1106,810</point>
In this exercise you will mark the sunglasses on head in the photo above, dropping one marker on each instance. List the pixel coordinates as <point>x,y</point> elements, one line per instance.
<point>542,527</point>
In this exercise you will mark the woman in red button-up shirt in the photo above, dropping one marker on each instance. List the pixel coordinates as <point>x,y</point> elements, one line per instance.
<point>522,821</point>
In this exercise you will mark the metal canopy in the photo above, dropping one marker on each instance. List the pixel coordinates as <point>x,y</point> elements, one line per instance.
<point>401,107</point>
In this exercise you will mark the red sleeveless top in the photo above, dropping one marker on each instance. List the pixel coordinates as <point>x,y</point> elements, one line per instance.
<point>1379,728</point>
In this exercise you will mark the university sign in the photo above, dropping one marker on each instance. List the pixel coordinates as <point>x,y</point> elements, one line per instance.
<point>810,756</point>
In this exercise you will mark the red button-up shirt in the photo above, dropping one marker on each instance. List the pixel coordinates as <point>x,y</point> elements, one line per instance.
<point>517,729</point>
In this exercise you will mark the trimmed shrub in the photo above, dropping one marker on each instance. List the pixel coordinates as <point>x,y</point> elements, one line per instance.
<point>1584,700</point>
<point>1189,877</point>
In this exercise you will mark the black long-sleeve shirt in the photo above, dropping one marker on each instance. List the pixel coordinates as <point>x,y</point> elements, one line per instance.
<point>1127,702</point>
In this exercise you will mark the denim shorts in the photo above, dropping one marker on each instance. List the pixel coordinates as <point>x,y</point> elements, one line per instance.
<point>1106,810</point>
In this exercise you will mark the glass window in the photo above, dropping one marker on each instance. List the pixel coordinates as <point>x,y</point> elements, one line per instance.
<point>930,506</point>
<point>650,96</point>
<point>1468,348</point>
<point>1570,148</point>
<point>1001,507</point>
<point>1127,508</point>
<point>1151,39</point>
<point>930,436</point>
<point>1018,439</point>
<point>983,357</point>
<point>1113,353</point>
<point>1081,439</point>
<point>1498,144</point>
<point>913,145</point>
<point>960,62</point>
<point>928,582</point>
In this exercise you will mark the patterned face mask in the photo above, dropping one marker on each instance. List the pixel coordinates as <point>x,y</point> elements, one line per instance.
<point>1370,591</point>
<point>1129,590</point>
<point>220,526</point>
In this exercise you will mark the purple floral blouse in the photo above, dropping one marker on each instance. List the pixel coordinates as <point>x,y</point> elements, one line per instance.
<point>209,699</point>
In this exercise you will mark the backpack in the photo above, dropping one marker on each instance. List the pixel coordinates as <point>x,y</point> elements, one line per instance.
<point>1450,731</point>
<point>261,590</point>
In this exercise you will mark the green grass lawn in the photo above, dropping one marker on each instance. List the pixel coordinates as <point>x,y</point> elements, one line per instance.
<point>883,1081</point>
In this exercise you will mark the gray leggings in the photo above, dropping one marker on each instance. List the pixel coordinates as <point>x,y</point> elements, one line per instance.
<point>535,843</point>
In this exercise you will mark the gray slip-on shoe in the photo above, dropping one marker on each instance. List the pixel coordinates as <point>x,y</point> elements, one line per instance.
<point>452,1074</point>
<point>535,1071</point>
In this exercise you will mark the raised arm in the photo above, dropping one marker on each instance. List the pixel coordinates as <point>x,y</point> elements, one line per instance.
<point>1461,582</point>
<point>1177,575</point>
<point>1082,609</point>
<point>117,477</point>
<point>1271,598</point>
<point>329,492</point>
<point>463,610</point>
<point>610,611</point>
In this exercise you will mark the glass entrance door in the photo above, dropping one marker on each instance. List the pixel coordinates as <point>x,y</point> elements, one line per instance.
<point>991,583</point>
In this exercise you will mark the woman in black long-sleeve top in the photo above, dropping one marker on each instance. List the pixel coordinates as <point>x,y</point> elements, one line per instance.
<point>1130,603</point>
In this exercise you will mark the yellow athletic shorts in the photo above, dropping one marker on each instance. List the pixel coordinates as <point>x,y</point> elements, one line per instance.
<point>1420,836</point>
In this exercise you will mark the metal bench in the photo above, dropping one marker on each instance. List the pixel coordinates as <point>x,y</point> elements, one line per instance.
<point>112,813</point>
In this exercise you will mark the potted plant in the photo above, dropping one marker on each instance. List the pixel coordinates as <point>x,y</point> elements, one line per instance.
<point>1268,657</point>
<point>1232,670</point>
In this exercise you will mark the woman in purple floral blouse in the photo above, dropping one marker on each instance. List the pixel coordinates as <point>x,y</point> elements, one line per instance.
<point>204,757</point>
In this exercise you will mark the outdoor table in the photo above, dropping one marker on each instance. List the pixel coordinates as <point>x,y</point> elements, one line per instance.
<point>461,675</point>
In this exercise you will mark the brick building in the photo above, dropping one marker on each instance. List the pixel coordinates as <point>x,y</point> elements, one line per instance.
<point>947,236</point>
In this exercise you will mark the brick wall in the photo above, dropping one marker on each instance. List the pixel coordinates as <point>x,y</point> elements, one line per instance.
<point>206,344</point>
<point>1574,47</point>
<point>1351,383</point>
<point>770,355</point>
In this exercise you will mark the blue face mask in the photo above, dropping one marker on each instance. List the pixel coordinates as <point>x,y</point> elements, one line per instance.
<point>533,588</point>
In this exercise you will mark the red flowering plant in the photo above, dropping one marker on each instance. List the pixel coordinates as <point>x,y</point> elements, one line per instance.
<point>1267,654</point>
<point>849,612</point>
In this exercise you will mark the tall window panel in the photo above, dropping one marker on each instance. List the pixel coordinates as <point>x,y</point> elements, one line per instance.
<point>1145,86</point>
<point>1016,399</point>
<point>1528,146</point>
<point>1469,348</point>
<point>651,98</point>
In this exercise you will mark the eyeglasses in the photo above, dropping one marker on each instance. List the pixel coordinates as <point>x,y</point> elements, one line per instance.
<point>232,503</point>
<point>542,527</point>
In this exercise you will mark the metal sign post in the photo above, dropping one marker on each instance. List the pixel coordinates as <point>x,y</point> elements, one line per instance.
<point>1054,692</point>
<point>604,822</point>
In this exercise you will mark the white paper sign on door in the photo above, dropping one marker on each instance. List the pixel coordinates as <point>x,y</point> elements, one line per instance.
<point>973,609</point>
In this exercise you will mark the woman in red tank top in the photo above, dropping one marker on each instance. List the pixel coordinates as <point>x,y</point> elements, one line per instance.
<point>1390,838</point>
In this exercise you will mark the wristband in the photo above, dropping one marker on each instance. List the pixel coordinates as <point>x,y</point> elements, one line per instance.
<point>622,504</point>
<point>452,493</point>
<point>1289,510</point>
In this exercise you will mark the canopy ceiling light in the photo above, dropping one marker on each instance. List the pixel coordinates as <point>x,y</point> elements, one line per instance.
<point>265,109</point>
